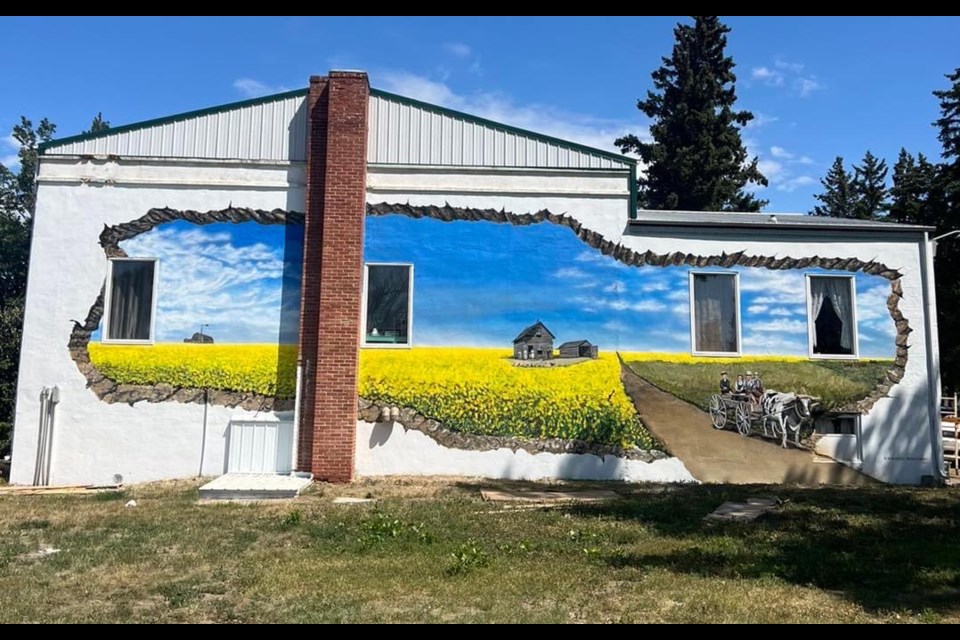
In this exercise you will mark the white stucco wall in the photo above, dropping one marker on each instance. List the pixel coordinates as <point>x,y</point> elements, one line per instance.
<point>386,449</point>
<point>898,434</point>
<point>94,440</point>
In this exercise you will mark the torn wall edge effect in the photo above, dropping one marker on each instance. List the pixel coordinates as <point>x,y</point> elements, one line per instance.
<point>111,392</point>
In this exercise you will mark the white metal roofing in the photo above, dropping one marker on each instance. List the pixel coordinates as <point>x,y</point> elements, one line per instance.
<point>660,218</point>
<point>402,131</point>
<point>268,129</point>
<point>409,132</point>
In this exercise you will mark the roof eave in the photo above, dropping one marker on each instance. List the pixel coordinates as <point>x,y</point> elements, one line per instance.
<point>885,228</point>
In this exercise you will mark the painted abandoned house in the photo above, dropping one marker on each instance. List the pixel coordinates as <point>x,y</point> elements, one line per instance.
<point>578,349</point>
<point>356,255</point>
<point>534,343</point>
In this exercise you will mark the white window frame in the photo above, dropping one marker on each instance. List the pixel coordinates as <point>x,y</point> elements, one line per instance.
<point>363,319</point>
<point>693,315</point>
<point>812,322</point>
<point>108,289</point>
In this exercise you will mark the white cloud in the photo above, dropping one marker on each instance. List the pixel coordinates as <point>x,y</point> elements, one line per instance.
<point>806,86</point>
<point>650,287</point>
<point>779,326</point>
<point>205,278</point>
<point>780,152</point>
<point>804,160</point>
<point>571,272</point>
<point>10,160</point>
<point>587,130</point>
<point>761,119</point>
<point>768,76</point>
<point>792,184</point>
<point>682,309</point>
<point>774,343</point>
<point>617,286</point>
<point>254,88</point>
<point>771,169</point>
<point>782,312</point>
<point>678,295</point>
<point>758,308</point>
<point>457,49</point>
<point>598,259</point>
<point>787,75</point>
<point>615,326</point>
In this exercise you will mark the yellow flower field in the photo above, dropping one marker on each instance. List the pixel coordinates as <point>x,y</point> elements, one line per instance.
<point>470,390</point>
<point>255,368</point>
<point>478,391</point>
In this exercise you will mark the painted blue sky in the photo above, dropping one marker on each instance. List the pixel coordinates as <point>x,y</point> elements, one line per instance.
<point>234,277</point>
<point>820,86</point>
<point>481,283</point>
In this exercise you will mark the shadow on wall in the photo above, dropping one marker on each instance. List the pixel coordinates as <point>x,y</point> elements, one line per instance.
<point>289,332</point>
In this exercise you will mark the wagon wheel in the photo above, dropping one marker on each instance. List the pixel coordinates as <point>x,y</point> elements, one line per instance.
<point>718,412</point>
<point>743,418</point>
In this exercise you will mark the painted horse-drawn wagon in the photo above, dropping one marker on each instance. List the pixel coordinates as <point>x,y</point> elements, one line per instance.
<point>770,413</point>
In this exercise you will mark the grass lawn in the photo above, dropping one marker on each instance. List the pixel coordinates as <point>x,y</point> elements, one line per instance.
<point>836,383</point>
<point>432,551</point>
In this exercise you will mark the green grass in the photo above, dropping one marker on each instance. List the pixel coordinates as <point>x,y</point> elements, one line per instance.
<point>432,551</point>
<point>836,383</point>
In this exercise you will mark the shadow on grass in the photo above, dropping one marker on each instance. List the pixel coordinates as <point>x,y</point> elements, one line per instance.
<point>886,549</point>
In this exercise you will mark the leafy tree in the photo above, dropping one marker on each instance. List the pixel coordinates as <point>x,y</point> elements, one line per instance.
<point>870,187</point>
<point>696,160</point>
<point>838,198</point>
<point>18,191</point>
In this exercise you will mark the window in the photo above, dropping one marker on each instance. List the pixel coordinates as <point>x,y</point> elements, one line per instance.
<point>715,313</point>
<point>131,296</point>
<point>388,305</point>
<point>838,425</point>
<point>832,316</point>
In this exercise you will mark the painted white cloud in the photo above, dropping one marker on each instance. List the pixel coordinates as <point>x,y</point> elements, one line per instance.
<point>774,343</point>
<point>571,272</point>
<point>588,130</point>
<point>254,88</point>
<point>783,312</point>
<point>758,308</point>
<point>780,325</point>
<point>205,278</point>
<point>617,286</point>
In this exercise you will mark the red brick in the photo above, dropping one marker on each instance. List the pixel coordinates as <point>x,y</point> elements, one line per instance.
<point>332,273</point>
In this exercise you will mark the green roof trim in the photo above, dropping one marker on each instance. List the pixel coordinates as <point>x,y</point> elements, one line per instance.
<point>83,137</point>
<point>505,127</point>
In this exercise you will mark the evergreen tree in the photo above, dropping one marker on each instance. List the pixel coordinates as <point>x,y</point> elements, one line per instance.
<point>915,194</point>
<point>98,124</point>
<point>870,187</point>
<point>697,160</point>
<point>946,217</point>
<point>838,198</point>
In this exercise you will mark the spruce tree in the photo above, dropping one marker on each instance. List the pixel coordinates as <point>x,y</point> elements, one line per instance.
<point>947,218</point>
<point>838,198</point>
<point>915,194</point>
<point>870,187</point>
<point>697,160</point>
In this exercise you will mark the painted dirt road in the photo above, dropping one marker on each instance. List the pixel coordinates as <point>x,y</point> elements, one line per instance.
<point>725,456</point>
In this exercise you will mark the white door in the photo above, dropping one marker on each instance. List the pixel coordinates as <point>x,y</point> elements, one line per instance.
<point>260,447</point>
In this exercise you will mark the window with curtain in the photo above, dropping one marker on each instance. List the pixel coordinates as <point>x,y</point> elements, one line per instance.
<point>715,314</point>
<point>832,316</point>
<point>130,305</point>
<point>387,314</point>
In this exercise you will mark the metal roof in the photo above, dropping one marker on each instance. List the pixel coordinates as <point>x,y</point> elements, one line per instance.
<point>410,132</point>
<point>576,343</point>
<point>646,217</point>
<point>272,128</point>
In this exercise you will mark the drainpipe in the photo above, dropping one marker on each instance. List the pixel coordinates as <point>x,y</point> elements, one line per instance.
<point>295,449</point>
<point>41,437</point>
<point>51,421</point>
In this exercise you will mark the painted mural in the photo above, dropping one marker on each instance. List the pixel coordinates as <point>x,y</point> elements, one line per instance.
<point>226,313</point>
<point>524,330</point>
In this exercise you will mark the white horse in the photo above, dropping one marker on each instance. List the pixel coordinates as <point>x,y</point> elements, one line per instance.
<point>787,412</point>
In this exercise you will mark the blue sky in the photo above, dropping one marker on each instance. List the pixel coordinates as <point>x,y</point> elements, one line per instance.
<point>235,278</point>
<point>820,86</point>
<point>481,283</point>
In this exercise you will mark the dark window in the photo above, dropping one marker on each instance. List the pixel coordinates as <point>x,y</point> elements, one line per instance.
<point>130,312</point>
<point>715,313</point>
<point>831,307</point>
<point>388,304</point>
